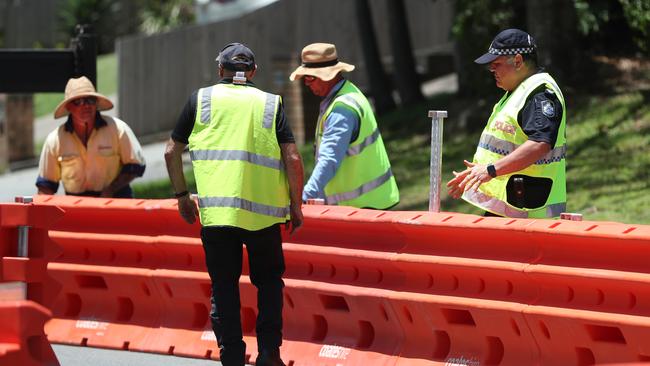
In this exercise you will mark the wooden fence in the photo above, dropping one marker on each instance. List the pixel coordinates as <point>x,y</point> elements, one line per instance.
<point>158,73</point>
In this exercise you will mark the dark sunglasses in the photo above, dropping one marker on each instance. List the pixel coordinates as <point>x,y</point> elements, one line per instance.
<point>86,100</point>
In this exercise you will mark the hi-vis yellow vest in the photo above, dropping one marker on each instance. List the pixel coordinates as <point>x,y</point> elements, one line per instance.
<point>240,177</point>
<point>364,178</point>
<point>501,136</point>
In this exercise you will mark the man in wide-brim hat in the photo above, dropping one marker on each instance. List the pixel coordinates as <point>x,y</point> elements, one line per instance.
<point>352,167</point>
<point>91,154</point>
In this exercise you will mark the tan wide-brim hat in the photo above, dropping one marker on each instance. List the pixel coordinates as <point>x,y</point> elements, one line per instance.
<point>320,60</point>
<point>79,88</point>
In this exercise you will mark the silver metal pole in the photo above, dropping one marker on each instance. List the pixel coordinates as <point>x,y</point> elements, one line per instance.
<point>435,167</point>
<point>23,231</point>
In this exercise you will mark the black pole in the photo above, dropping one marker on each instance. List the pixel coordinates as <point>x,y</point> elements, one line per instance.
<point>84,46</point>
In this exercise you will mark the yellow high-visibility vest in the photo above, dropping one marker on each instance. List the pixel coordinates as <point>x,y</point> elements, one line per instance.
<point>501,136</point>
<point>364,178</point>
<point>238,167</point>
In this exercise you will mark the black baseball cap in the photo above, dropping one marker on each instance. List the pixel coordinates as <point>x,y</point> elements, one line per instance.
<point>508,42</point>
<point>236,57</point>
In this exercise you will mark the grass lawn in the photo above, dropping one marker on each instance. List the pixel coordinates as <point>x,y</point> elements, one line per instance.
<point>608,162</point>
<point>44,103</point>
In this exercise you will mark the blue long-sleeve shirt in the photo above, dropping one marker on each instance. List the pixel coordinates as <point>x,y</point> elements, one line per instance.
<point>340,127</point>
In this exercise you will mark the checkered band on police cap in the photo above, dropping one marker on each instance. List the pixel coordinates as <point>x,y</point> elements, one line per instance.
<point>508,42</point>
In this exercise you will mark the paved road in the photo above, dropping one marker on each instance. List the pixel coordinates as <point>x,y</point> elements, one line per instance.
<point>83,356</point>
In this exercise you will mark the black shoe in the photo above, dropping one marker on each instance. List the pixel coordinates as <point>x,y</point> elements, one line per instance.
<point>269,358</point>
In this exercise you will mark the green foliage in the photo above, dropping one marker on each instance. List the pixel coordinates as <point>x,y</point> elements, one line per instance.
<point>159,16</point>
<point>637,13</point>
<point>612,22</point>
<point>101,14</point>
<point>609,157</point>
<point>591,15</point>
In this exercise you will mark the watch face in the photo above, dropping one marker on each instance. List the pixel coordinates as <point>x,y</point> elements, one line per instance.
<point>492,171</point>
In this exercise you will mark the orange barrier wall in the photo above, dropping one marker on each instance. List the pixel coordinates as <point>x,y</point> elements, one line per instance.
<point>22,311</point>
<point>22,340</point>
<point>364,287</point>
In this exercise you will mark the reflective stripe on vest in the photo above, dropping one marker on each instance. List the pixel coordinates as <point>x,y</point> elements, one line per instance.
<point>269,110</point>
<point>206,104</point>
<point>234,202</point>
<point>236,155</point>
<point>357,149</point>
<point>503,147</point>
<point>365,188</point>
<point>495,205</point>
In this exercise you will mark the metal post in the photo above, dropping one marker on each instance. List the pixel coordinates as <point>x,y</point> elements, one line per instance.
<point>436,159</point>
<point>84,47</point>
<point>23,231</point>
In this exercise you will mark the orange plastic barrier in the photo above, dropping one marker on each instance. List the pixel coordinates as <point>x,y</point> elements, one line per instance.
<point>581,337</point>
<point>22,341</point>
<point>103,306</point>
<point>365,287</point>
<point>31,269</point>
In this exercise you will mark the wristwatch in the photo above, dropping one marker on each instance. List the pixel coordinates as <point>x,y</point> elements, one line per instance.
<point>492,171</point>
<point>181,194</point>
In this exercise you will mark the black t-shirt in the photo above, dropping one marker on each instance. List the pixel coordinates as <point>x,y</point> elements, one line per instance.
<point>186,119</point>
<point>540,119</point>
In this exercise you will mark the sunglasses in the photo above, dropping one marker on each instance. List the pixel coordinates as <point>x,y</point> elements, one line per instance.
<point>86,100</point>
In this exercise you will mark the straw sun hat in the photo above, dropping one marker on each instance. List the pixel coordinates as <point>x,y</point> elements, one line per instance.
<point>79,88</point>
<point>320,60</point>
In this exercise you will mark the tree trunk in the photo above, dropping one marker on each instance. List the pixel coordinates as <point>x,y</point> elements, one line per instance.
<point>553,25</point>
<point>380,85</point>
<point>405,75</point>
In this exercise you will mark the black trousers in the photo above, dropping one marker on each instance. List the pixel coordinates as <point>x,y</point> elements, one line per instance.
<point>223,256</point>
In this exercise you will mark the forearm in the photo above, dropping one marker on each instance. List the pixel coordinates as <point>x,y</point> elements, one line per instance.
<point>120,182</point>
<point>293,164</point>
<point>522,157</point>
<point>174,161</point>
<point>45,190</point>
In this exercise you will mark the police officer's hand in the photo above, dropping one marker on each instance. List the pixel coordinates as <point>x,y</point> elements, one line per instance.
<point>469,179</point>
<point>296,218</point>
<point>187,208</point>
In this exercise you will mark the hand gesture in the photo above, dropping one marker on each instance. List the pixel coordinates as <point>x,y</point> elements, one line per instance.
<point>187,208</point>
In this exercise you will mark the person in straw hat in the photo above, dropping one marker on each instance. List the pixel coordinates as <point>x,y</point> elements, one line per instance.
<point>91,154</point>
<point>352,167</point>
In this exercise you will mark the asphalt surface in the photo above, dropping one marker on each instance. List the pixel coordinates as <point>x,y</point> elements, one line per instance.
<point>78,356</point>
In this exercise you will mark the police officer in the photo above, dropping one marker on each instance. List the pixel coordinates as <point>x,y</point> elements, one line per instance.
<point>249,178</point>
<point>352,167</point>
<point>519,168</point>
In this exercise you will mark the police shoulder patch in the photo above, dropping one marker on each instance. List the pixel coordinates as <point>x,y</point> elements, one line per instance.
<point>548,109</point>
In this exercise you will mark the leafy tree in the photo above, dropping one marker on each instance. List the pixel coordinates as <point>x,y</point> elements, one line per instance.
<point>159,16</point>
<point>475,24</point>
<point>101,14</point>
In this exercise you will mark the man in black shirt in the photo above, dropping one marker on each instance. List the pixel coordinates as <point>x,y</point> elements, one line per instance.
<point>524,141</point>
<point>249,178</point>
